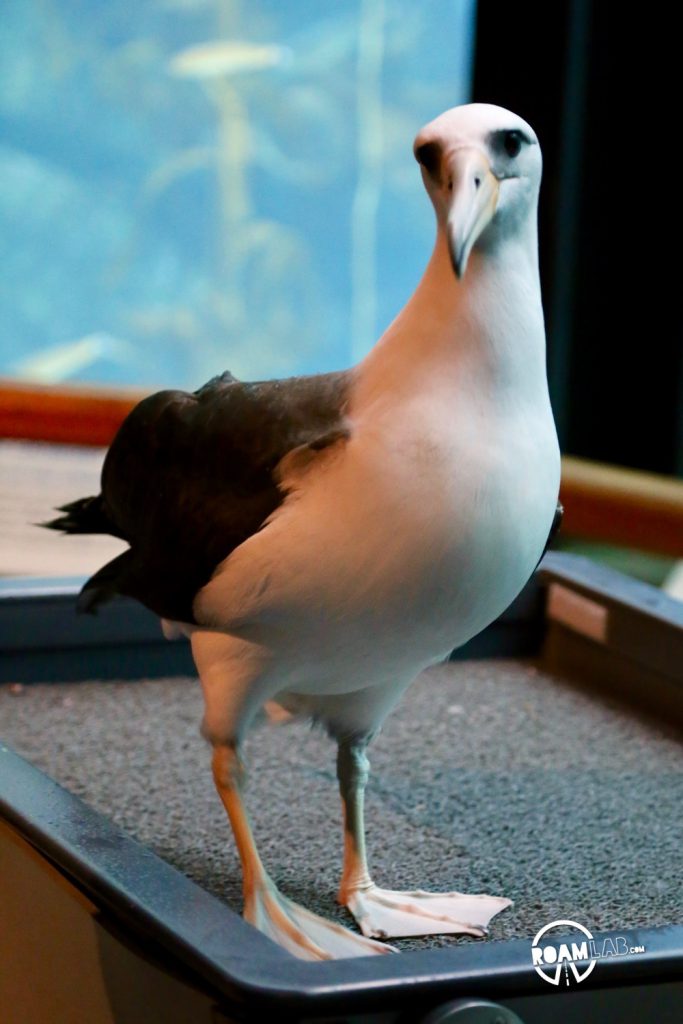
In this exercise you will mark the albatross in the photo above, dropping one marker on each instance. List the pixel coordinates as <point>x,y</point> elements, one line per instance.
<point>322,540</point>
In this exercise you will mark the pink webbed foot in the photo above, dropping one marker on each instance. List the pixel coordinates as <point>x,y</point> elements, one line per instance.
<point>387,913</point>
<point>302,933</point>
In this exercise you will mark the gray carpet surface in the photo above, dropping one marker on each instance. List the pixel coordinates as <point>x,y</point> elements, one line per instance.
<point>491,776</point>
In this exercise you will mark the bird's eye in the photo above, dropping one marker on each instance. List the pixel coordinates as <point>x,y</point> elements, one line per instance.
<point>429,155</point>
<point>512,142</point>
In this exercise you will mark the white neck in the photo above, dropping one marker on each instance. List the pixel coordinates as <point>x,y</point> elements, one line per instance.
<point>484,332</point>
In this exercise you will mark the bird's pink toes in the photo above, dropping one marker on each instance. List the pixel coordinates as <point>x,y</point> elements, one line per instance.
<point>387,913</point>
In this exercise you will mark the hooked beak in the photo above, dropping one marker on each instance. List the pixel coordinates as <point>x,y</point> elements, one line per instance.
<point>473,203</point>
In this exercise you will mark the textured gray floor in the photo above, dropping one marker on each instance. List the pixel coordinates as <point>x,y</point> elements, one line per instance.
<point>490,776</point>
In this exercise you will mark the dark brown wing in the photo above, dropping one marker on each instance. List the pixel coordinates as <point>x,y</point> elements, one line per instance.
<point>188,477</point>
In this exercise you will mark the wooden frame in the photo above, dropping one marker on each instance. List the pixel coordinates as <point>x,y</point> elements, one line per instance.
<point>66,415</point>
<point>622,506</point>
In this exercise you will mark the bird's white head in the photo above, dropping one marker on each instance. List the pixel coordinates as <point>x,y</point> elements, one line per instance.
<point>481,166</point>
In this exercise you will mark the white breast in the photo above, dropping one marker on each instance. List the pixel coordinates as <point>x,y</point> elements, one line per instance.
<point>397,547</point>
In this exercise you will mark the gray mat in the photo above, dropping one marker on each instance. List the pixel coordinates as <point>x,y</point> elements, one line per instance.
<point>490,776</point>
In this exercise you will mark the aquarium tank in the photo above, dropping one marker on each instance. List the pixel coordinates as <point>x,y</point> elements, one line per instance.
<point>190,186</point>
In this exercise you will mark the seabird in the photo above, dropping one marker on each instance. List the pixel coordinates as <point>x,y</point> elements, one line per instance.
<point>321,540</point>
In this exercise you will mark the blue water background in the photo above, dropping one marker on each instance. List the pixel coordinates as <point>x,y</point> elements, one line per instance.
<point>166,215</point>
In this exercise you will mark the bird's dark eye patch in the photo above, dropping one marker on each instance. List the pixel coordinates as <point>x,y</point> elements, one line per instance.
<point>429,156</point>
<point>512,142</point>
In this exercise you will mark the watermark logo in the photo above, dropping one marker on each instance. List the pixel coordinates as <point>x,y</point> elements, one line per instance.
<point>555,960</point>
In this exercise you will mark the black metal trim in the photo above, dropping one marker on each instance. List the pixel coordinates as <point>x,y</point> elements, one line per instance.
<point>43,639</point>
<point>645,624</point>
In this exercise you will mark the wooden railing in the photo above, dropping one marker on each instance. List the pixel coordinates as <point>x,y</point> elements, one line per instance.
<point>622,506</point>
<point>67,415</point>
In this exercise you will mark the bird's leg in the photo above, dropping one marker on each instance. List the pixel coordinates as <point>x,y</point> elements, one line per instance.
<point>299,931</point>
<point>352,771</point>
<point>387,913</point>
<point>228,774</point>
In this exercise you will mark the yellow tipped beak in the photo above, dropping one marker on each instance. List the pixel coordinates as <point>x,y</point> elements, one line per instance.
<point>473,204</point>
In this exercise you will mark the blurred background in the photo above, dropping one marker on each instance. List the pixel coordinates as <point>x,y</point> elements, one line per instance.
<point>189,186</point>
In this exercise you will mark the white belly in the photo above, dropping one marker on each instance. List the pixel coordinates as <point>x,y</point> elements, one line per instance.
<point>394,551</point>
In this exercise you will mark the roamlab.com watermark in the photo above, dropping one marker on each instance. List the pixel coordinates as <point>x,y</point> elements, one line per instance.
<point>555,959</point>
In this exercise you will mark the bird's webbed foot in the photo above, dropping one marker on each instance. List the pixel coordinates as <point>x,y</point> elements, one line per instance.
<point>304,934</point>
<point>387,913</point>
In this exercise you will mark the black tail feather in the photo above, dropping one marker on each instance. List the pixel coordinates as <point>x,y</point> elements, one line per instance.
<point>86,515</point>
